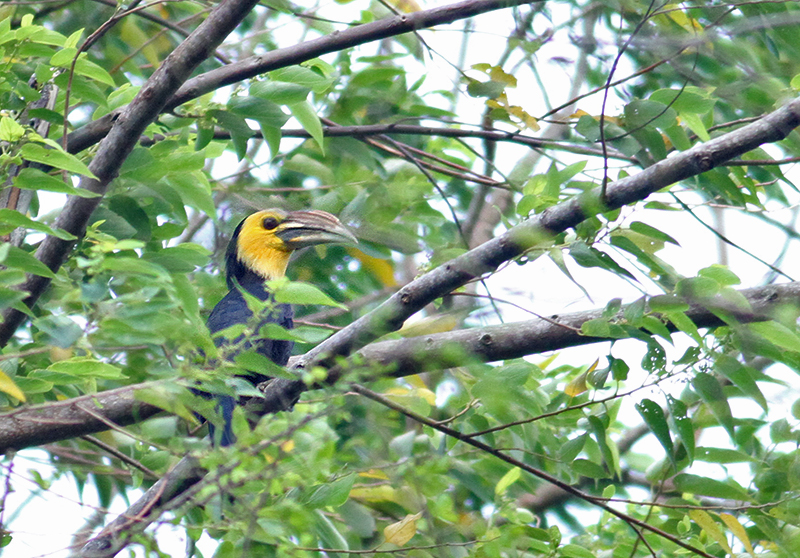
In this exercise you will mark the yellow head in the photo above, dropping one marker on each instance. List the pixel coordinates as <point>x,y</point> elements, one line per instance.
<point>264,241</point>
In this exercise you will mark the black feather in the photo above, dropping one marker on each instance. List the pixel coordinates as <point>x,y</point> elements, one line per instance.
<point>232,310</point>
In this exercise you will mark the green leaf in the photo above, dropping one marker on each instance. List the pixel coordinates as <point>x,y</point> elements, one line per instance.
<point>331,494</point>
<point>511,476</point>
<point>279,92</point>
<point>697,288</point>
<point>702,486</point>
<point>590,469</point>
<point>679,417</point>
<point>308,119</point>
<point>34,179</point>
<point>575,551</point>
<point>742,377</point>
<point>85,367</point>
<point>684,324</point>
<point>254,361</point>
<point>266,113</point>
<point>302,76</point>
<point>722,455</point>
<point>656,421</point>
<point>649,114</point>
<point>587,256</point>
<point>720,274</point>
<point>711,392</point>
<point>667,303</point>
<point>237,127</point>
<point>296,292</point>
<point>692,100</point>
<point>25,261</point>
<point>329,535</point>
<point>91,70</point>
<point>652,232</point>
<point>777,334</point>
<point>10,220</point>
<point>55,158</point>
<point>10,130</point>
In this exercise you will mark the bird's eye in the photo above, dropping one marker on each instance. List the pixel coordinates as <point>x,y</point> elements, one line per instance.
<point>269,223</point>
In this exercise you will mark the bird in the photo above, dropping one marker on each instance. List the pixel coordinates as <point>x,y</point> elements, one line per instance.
<point>259,251</point>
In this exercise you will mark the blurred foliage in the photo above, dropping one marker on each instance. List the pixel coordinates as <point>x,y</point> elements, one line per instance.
<point>341,472</point>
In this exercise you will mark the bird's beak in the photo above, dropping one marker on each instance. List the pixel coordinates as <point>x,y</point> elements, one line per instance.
<point>308,228</point>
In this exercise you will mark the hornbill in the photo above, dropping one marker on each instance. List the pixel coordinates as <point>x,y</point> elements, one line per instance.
<point>259,251</point>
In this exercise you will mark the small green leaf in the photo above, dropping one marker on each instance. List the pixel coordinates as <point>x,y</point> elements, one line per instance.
<point>511,476</point>
<point>10,220</point>
<point>308,119</point>
<point>742,377</point>
<point>720,274</point>
<point>697,288</point>
<point>652,232</point>
<point>237,127</point>
<point>280,92</point>
<point>296,292</point>
<point>667,303</point>
<point>305,77</point>
<point>56,158</point>
<point>91,70</point>
<point>590,469</point>
<point>25,261</point>
<point>575,551</point>
<point>679,417</point>
<point>10,130</point>
<point>87,368</point>
<point>777,334</point>
<point>256,362</point>
<point>331,494</point>
<point>266,113</point>
<point>710,390</point>
<point>656,420</point>
<point>702,486</point>
<point>34,179</point>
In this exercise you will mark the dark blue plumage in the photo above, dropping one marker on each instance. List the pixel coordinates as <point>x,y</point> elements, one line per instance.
<point>231,310</point>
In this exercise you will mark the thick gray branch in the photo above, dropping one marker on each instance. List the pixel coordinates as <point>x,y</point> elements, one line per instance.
<point>62,420</point>
<point>486,258</point>
<point>33,426</point>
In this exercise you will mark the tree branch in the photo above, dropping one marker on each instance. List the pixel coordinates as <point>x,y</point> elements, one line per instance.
<point>51,422</point>
<point>338,40</point>
<point>484,259</point>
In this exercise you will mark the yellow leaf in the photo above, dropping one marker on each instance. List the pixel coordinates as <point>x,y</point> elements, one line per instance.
<point>58,353</point>
<point>578,113</point>
<point>401,532</point>
<point>430,324</point>
<point>548,361</point>
<point>8,386</point>
<point>738,531</point>
<point>406,6</point>
<point>382,269</point>
<point>576,386</point>
<point>707,523</point>
<point>416,381</point>
<point>287,446</point>
<point>375,493</point>
<point>374,474</point>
